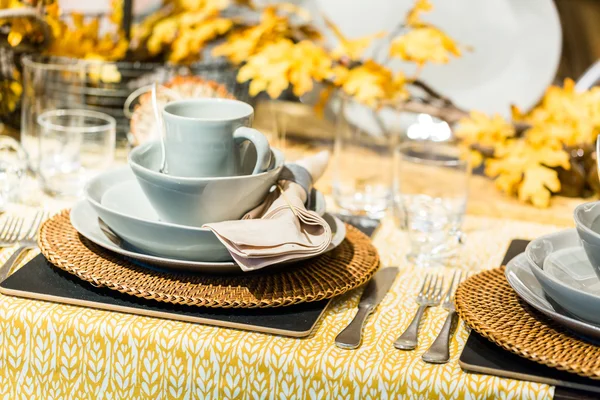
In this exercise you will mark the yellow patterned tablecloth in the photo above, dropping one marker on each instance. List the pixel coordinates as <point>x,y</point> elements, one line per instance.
<point>51,350</point>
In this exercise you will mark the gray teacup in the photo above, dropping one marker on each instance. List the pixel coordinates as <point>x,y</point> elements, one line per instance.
<point>203,138</point>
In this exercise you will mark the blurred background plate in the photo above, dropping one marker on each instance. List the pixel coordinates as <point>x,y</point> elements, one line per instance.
<point>515,46</point>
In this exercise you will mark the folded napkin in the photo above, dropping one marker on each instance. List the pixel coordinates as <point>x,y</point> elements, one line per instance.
<point>281,228</point>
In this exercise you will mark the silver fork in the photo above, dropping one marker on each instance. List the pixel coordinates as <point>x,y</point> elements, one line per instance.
<point>10,231</point>
<point>429,295</point>
<point>27,243</point>
<point>439,352</point>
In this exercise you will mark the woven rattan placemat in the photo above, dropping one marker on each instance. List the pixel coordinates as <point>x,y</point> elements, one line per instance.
<point>488,305</point>
<point>346,267</point>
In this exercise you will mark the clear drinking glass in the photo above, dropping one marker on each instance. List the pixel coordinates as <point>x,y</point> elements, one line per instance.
<point>75,145</point>
<point>362,159</point>
<point>49,83</point>
<point>430,194</point>
<point>13,170</point>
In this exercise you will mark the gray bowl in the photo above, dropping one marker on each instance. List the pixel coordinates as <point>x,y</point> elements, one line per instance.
<point>197,201</point>
<point>587,222</point>
<point>578,302</point>
<point>144,231</point>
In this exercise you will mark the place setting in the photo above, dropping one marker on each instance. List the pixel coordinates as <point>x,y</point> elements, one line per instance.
<point>540,305</point>
<point>208,217</point>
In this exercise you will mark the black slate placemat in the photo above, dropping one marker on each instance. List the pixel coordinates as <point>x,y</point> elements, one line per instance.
<point>40,280</point>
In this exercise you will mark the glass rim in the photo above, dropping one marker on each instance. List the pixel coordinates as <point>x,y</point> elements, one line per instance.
<point>50,62</point>
<point>110,123</point>
<point>419,160</point>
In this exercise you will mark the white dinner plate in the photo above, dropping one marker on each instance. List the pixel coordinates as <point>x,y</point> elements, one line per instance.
<point>521,279</point>
<point>86,221</point>
<point>515,46</point>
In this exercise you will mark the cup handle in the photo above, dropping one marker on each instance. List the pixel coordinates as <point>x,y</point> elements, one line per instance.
<point>263,151</point>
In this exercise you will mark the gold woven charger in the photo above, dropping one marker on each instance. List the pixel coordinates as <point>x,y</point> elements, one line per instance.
<point>488,305</point>
<point>348,266</point>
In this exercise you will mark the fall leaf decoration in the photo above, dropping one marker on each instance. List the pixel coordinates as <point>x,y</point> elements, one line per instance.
<point>242,44</point>
<point>413,17</point>
<point>525,169</point>
<point>350,49</point>
<point>183,33</point>
<point>485,131</point>
<point>371,83</point>
<point>83,40</point>
<point>268,53</point>
<point>10,93</point>
<point>526,166</point>
<point>280,64</point>
<point>281,50</point>
<point>424,44</point>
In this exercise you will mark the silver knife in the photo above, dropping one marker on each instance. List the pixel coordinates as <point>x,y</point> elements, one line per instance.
<point>375,291</point>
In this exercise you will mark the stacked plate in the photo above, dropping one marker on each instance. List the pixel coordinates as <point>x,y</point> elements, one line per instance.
<point>117,215</point>
<point>559,274</point>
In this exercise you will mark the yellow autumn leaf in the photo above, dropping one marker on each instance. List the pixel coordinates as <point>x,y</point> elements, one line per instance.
<point>371,83</point>
<point>189,43</point>
<point>101,72</point>
<point>538,184</point>
<point>16,88</point>
<point>424,44</point>
<point>516,164</point>
<point>245,42</point>
<point>196,5</point>
<point>353,49</point>
<point>413,17</point>
<point>277,65</point>
<point>476,158</point>
<point>480,129</point>
<point>15,37</point>
<point>267,69</point>
<point>164,32</point>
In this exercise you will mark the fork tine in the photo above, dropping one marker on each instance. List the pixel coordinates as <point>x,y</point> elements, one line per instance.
<point>10,229</point>
<point>422,291</point>
<point>462,276</point>
<point>449,292</point>
<point>35,224</point>
<point>16,228</point>
<point>5,227</point>
<point>440,289</point>
<point>431,289</point>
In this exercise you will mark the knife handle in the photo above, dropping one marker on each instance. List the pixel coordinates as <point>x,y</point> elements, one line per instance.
<point>351,336</point>
<point>439,352</point>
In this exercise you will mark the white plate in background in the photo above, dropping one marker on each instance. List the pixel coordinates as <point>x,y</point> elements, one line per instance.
<point>516,45</point>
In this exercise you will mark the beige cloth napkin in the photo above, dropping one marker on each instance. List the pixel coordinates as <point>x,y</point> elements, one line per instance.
<point>279,229</point>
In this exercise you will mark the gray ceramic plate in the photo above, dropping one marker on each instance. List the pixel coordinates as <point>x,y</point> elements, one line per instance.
<point>86,221</point>
<point>119,201</point>
<point>542,254</point>
<point>522,280</point>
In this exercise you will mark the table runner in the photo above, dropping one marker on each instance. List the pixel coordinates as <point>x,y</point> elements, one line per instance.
<point>53,350</point>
